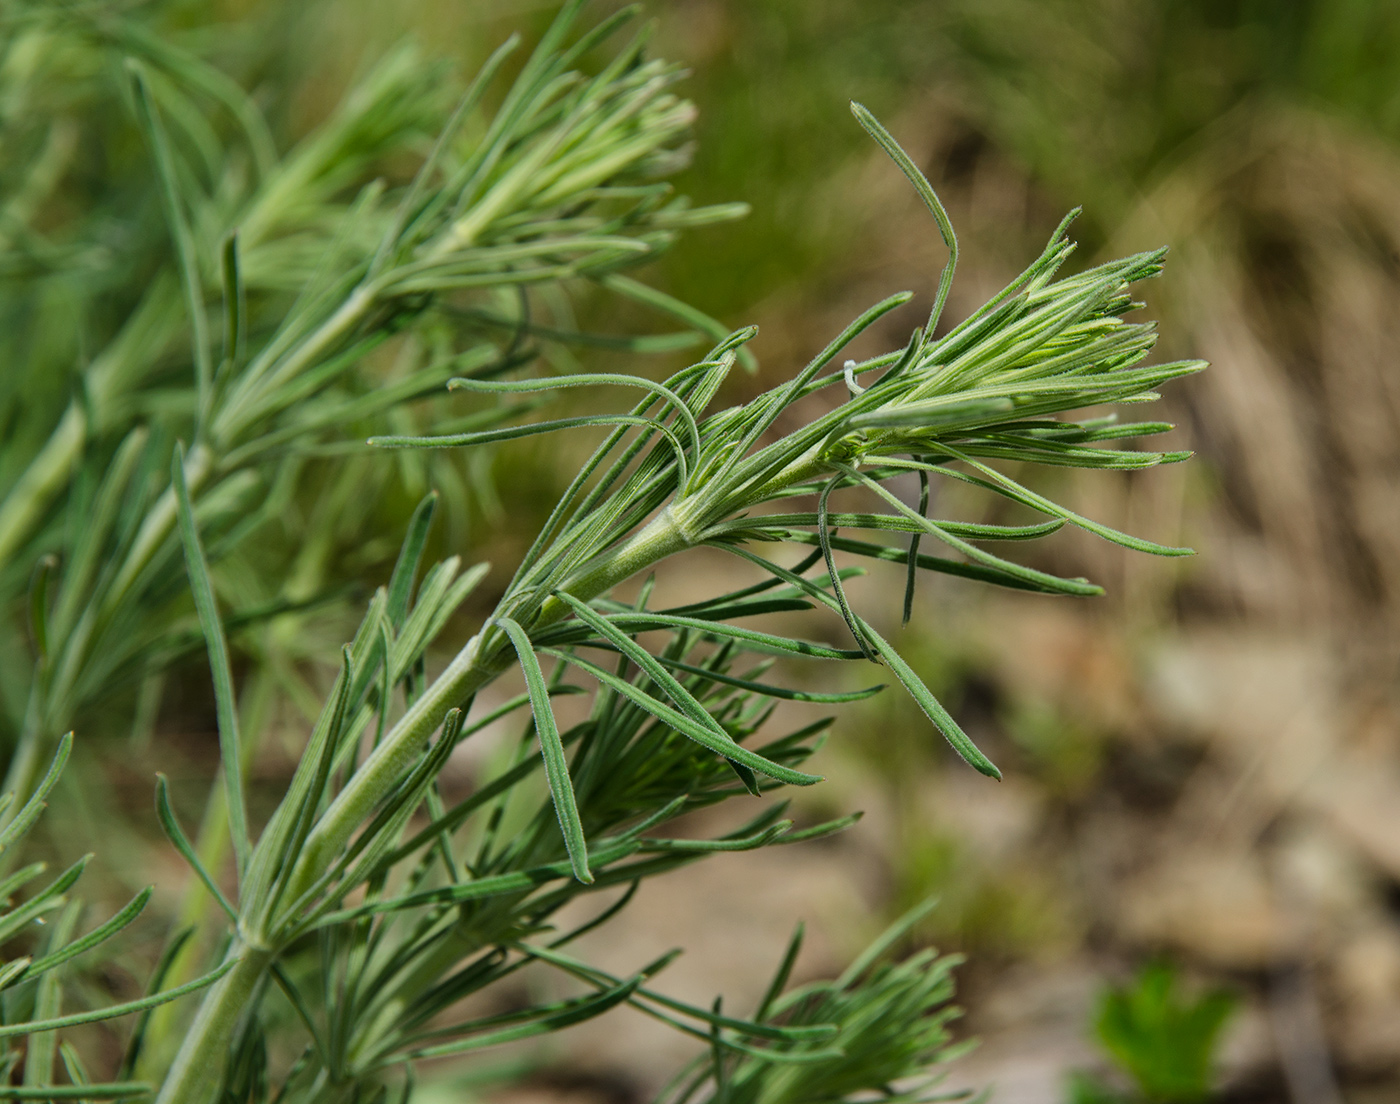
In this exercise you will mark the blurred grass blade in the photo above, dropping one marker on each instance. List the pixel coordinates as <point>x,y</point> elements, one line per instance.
<point>226,701</point>
<point>235,305</point>
<point>181,235</point>
<point>136,1043</point>
<point>88,1090</point>
<point>39,603</point>
<point>783,973</point>
<point>885,942</point>
<point>410,556</point>
<point>676,308</point>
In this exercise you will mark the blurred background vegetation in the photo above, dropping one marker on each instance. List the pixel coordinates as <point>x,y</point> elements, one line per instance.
<point>1204,765</point>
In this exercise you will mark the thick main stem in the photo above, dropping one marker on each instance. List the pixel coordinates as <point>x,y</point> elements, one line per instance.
<point>200,1062</point>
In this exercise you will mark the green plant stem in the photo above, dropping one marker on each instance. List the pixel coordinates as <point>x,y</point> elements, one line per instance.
<point>483,658</point>
<point>202,1055</point>
<point>198,909</point>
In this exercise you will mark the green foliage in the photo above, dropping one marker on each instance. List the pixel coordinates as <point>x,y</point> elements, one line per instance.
<point>279,306</point>
<point>1165,1041</point>
<point>31,997</point>
<point>886,1023</point>
<point>319,267</point>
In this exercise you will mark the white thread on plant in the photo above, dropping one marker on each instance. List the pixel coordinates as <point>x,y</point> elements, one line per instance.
<point>849,368</point>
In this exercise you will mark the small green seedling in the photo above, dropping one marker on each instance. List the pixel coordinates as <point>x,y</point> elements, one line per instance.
<point>1164,1040</point>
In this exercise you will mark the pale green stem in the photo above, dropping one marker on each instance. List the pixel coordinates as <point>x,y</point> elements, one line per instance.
<point>198,909</point>
<point>472,667</point>
<point>200,1063</point>
<point>228,424</point>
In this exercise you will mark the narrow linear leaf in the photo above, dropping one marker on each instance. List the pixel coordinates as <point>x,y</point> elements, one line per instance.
<point>820,831</point>
<point>1042,579</point>
<point>911,575</point>
<point>589,379</point>
<point>648,663</point>
<point>603,980</point>
<point>170,825</point>
<point>752,639</point>
<point>926,562</point>
<point>1019,493</point>
<point>932,707</point>
<point>685,726</point>
<point>99,934</point>
<point>747,843</point>
<point>29,812</point>
<point>556,766</point>
<point>824,535</point>
<point>768,690</point>
<point>226,702</point>
<point>410,556</point>
<point>512,433</point>
<point>567,1014</point>
<point>494,885</point>
<point>10,1031</point>
<point>916,177</point>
